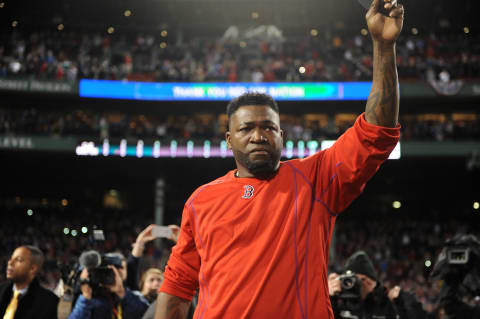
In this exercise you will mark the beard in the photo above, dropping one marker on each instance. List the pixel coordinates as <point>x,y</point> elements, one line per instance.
<point>263,167</point>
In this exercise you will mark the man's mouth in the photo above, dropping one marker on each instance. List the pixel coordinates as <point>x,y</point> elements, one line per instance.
<point>259,152</point>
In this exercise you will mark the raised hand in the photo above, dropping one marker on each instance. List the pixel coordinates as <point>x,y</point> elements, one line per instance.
<point>142,238</point>
<point>385,28</point>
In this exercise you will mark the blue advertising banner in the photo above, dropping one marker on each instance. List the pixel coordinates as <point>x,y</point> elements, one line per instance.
<point>222,91</point>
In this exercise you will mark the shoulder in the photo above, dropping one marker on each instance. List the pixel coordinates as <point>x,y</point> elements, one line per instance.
<point>44,293</point>
<point>4,287</point>
<point>139,295</point>
<point>302,165</point>
<point>213,186</point>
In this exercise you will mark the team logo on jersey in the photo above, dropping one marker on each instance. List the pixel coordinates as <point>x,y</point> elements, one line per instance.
<point>248,191</point>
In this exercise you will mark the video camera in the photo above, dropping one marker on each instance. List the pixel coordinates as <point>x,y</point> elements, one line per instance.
<point>459,263</point>
<point>99,274</point>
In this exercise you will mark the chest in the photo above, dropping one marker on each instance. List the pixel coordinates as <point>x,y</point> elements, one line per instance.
<point>246,214</point>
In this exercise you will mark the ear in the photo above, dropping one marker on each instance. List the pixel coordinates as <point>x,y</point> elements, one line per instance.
<point>228,139</point>
<point>33,270</point>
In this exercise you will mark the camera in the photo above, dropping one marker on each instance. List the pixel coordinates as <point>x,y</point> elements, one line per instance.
<point>458,264</point>
<point>99,274</point>
<point>351,286</point>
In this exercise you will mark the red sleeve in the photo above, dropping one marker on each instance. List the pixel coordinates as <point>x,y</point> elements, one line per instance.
<point>340,173</point>
<point>181,272</point>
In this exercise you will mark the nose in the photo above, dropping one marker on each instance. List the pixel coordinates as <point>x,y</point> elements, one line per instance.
<point>258,136</point>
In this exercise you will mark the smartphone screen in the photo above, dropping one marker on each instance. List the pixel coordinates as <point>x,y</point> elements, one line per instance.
<point>161,232</point>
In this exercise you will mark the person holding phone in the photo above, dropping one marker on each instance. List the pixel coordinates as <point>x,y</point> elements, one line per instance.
<point>150,233</point>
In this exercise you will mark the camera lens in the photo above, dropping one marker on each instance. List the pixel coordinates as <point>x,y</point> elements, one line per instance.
<point>348,283</point>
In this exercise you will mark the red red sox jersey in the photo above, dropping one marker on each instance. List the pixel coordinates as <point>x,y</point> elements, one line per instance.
<point>259,248</point>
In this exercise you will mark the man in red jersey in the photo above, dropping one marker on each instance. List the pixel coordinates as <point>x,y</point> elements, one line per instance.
<point>255,242</point>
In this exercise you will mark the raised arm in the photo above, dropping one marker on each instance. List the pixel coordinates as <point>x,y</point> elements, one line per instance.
<point>171,307</point>
<point>383,101</point>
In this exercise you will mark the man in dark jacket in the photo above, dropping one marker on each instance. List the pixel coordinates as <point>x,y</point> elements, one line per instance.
<point>359,294</point>
<point>22,297</point>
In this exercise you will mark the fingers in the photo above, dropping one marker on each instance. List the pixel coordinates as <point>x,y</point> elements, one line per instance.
<point>394,292</point>
<point>332,276</point>
<point>389,4</point>
<point>146,234</point>
<point>115,270</point>
<point>84,274</point>
<point>397,12</point>
<point>374,6</point>
<point>392,7</point>
<point>147,230</point>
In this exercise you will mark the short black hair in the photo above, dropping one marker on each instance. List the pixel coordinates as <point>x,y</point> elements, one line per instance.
<point>251,98</point>
<point>37,255</point>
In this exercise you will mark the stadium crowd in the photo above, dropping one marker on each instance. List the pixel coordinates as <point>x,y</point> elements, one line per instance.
<point>330,55</point>
<point>97,125</point>
<point>399,260</point>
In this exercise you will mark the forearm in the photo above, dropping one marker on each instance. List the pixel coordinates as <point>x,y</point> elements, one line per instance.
<point>383,101</point>
<point>171,307</point>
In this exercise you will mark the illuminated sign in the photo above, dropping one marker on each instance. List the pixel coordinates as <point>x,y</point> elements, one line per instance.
<point>173,150</point>
<point>281,91</point>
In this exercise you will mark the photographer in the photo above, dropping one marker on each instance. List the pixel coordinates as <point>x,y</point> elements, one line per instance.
<point>459,267</point>
<point>112,300</point>
<point>357,293</point>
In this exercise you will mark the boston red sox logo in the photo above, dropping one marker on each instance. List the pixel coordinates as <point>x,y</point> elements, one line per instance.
<point>248,191</point>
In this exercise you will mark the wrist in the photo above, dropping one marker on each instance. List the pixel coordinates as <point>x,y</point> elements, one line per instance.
<point>138,248</point>
<point>379,45</point>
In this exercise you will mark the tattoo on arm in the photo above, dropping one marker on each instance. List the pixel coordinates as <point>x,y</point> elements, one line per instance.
<point>383,102</point>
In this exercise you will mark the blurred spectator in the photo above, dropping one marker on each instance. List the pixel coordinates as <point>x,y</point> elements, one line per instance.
<point>344,56</point>
<point>150,283</point>
<point>114,125</point>
<point>22,297</point>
